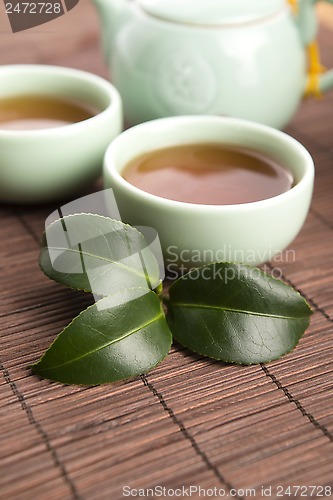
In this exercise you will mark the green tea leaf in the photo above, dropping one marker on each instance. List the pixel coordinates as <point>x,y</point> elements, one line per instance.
<point>116,338</point>
<point>97,254</point>
<point>236,313</point>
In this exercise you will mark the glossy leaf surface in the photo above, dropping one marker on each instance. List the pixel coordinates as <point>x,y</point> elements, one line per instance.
<point>97,254</point>
<point>116,338</point>
<point>236,313</point>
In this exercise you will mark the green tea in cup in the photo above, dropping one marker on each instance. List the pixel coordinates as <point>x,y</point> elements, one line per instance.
<point>55,126</point>
<point>209,174</point>
<point>30,112</point>
<point>218,223</point>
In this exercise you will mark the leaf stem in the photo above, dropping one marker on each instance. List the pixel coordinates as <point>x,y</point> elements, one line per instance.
<point>159,290</point>
<point>165,299</point>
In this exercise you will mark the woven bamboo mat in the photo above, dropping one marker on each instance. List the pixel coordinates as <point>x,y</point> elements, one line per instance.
<point>191,421</point>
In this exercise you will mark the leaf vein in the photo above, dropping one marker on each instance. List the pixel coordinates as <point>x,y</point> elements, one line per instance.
<point>107,344</point>
<point>98,257</point>
<point>240,311</point>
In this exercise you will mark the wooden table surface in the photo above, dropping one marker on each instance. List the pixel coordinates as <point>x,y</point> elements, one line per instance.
<point>191,421</point>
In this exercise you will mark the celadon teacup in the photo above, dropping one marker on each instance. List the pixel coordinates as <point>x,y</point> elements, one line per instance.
<point>195,234</point>
<point>46,164</point>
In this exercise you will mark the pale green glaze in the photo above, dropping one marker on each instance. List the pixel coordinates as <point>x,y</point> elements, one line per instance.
<point>251,232</point>
<point>210,12</point>
<point>242,59</point>
<point>307,22</point>
<point>41,165</point>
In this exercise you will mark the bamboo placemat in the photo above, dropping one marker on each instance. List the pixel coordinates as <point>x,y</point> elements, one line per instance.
<point>191,421</point>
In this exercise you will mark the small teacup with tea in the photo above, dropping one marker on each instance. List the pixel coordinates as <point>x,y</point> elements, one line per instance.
<point>55,126</point>
<point>214,188</point>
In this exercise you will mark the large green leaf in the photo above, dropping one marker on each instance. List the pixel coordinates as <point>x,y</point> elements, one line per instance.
<point>236,313</point>
<point>116,338</point>
<point>97,254</point>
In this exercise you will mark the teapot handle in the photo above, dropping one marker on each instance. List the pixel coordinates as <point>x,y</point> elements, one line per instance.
<point>319,78</point>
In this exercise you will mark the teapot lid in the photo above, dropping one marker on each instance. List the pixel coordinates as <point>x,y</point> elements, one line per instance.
<point>211,12</point>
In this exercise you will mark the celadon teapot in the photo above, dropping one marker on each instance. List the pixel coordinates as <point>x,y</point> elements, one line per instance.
<point>252,59</point>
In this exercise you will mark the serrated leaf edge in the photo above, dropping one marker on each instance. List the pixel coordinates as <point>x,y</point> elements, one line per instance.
<point>93,215</point>
<point>237,363</point>
<point>33,367</point>
<point>248,267</point>
<point>168,301</point>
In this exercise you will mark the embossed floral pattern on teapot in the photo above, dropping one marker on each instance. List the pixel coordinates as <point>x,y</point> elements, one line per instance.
<point>249,59</point>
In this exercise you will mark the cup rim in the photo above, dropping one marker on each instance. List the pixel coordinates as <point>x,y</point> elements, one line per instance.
<point>124,138</point>
<point>58,72</point>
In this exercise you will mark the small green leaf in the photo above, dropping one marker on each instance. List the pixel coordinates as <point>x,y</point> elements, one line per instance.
<point>97,254</point>
<point>236,313</point>
<point>116,338</point>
